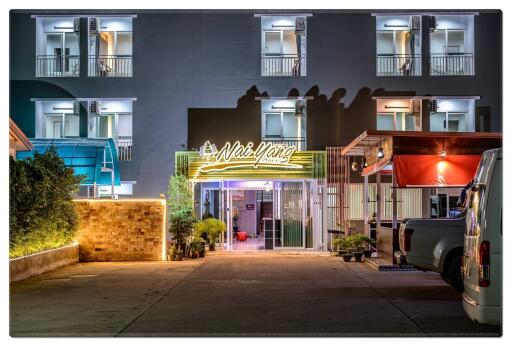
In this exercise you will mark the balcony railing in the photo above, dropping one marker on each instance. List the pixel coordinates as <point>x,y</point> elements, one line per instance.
<point>57,66</point>
<point>110,66</point>
<point>283,65</point>
<point>298,142</point>
<point>455,64</point>
<point>124,148</point>
<point>398,65</point>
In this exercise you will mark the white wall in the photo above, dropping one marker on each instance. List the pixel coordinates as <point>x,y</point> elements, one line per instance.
<point>462,22</point>
<point>404,104</point>
<point>115,23</point>
<point>49,24</point>
<point>125,125</point>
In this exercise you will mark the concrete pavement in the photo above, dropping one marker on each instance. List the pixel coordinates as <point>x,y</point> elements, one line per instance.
<point>234,294</point>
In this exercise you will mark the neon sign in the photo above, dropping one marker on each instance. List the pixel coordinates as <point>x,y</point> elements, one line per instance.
<point>236,155</point>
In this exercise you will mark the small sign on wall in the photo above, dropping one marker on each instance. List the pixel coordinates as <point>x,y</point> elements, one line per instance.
<point>249,207</point>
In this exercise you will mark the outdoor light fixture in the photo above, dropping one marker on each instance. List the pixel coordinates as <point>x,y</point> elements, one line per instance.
<point>380,153</point>
<point>364,163</point>
<point>268,186</point>
<point>355,166</point>
<point>443,152</point>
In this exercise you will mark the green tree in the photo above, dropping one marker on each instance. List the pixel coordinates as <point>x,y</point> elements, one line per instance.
<point>41,210</point>
<point>181,208</point>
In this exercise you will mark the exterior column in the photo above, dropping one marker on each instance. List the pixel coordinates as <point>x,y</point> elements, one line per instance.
<point>365,207</point>
<point>379,202</point>
<point>394,199</point>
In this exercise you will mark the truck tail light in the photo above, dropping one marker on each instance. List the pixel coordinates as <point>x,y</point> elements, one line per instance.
<point>484,264</point>
<point>407,236</point>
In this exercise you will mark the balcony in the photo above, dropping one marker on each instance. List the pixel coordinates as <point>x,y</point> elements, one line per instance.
<point>124,148</point>
<point>57,66</point>
<point>110,66</point>
<point>298,142</point>
<point>283,65</point>
<point>454,64</point>
<point>398,65</point>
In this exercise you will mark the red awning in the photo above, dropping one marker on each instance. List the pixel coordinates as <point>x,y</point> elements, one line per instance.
<point>434,171</point>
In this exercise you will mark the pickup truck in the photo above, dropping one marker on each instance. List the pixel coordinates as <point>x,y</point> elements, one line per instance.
<point>434,245</point>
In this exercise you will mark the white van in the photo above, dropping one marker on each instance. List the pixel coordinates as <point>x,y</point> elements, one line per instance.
<point>482,260</point>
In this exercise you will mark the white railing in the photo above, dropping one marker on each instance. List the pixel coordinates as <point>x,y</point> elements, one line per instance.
<point>457,64</point>
<point>110,66</point>
<point>124,148</point>
<point>298,142</point>
<point>398,65</point>
<point>283,65</point>
<point>57,66</point>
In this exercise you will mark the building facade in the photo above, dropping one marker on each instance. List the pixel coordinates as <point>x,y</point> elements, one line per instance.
<point>162,82</point>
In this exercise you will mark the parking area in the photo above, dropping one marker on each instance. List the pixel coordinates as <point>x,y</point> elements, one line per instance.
<point>238,294</point>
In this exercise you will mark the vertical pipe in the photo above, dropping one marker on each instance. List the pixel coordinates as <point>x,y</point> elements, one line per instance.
<point>365,207</point>
<point>394,199</point>
<point>379,201</point>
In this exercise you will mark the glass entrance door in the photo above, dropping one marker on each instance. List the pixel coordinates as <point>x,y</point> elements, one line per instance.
<point>292,215</point>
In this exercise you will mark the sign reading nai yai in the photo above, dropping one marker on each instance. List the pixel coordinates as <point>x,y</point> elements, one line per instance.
<point>236,155</point>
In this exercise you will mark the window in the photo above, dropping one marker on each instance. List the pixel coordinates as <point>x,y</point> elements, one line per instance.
<point>110,46</point>
<point>399,114</point>
<point>112,119</point>
<point>284,121</point>
<point>453,115</point>
<point>57,47</point>
<point>283,46</point>
<point>57,119</point>
<point>398,45</point>
<point>452,45</point>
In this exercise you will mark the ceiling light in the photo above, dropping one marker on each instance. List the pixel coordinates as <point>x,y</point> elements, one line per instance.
<point>355,166</point>
<point>380,153</point>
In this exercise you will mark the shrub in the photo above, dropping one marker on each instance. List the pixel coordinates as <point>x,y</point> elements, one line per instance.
<point>213,227</point>
<point>42,214</point>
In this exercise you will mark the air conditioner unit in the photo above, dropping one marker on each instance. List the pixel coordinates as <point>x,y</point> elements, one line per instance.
<point>414,23</point>
<point>95,108</point>
<point>416,105</point>
<point>300,107</point>
<point>432,105</point>
<point>94,26</point>
<point>76,25</point>
<point>432,23</point>
<point>300,25</point>
<point>76,108</point>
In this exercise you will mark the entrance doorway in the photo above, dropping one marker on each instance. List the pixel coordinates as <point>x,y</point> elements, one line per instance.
<point>266,215</point>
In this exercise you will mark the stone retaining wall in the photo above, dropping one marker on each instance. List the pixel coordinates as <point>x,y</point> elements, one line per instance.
<point>39,263</point>
<point>121,230</point>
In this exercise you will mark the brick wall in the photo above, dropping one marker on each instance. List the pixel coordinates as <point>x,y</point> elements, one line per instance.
<point>121,230</point>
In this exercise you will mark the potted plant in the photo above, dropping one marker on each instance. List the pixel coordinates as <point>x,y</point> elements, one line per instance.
<point>360,241</point>
<point>195,246</point>
<point>171,253</point>
<point>348,244</point>
<point>341,244</point>
<point>178,255</point>
<point>213,227</point>
<point>182,225</point>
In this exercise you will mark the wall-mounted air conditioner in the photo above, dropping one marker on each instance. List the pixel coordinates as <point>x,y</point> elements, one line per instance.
<point>300,107</point>
<point>432,105</point>
<point>414,23</point>
<point>95,108</point>
<point>432,23</point>
<point>94,26</point>
<point>416,106</point>
<point>300,25</point>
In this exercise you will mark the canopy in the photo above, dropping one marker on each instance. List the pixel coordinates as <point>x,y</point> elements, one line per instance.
<point>434,171</point>
<point>96,159</point>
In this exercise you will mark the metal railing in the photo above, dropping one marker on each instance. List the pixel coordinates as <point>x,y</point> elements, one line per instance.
<point>456,64</point>
<point>283,65</point>
<point>398,65</point>
<point>110,66</point>
<point>124,148</point>
<point>57,66</point>
<point>298,142</point>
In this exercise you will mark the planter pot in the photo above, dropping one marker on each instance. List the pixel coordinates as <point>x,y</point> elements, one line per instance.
<point>202,253</point>
<point>212,247</point>
<point>367,253</point>
<point>178,257</point>
<point>341,252</point>
<point>347,257</point>
<point>358,256</point>
<point>195,254</point>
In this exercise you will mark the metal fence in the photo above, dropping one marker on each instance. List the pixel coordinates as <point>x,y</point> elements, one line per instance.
<point>110,66</point>
<point>399,65</point>
<point>298,142</point>
<point>124,149</point>
<point>57,66</point>
<point>283,65</point>
<point>457,64</point>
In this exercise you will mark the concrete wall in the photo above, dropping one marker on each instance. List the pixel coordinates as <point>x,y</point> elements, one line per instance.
<point>39,263</point>
<point>121,230</point>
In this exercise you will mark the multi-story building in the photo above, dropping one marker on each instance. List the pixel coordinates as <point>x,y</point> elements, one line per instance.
<point>162,82</point>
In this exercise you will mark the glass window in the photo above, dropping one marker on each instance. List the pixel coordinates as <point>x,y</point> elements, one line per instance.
<point>448,121</point>
<point>273,125</point>
<point>406,121</point>
<point>437,121</point>
<point>385,121</point>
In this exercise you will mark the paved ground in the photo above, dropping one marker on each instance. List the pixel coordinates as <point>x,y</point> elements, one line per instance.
<point>238,294</point>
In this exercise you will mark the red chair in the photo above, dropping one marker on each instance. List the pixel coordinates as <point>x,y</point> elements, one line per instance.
<point>241,236</point>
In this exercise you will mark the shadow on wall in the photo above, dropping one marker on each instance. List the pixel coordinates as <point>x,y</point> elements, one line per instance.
<point>329,121</point>
<point>22,110</point>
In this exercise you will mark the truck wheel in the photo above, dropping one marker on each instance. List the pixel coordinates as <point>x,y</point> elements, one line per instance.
<point>453,275</point>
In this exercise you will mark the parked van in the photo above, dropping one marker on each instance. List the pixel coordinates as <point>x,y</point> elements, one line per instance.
<point>482,257</point>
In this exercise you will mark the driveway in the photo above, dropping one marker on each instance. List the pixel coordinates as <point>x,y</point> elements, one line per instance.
<point>231,294</point>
